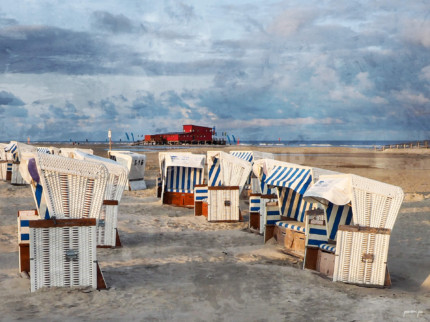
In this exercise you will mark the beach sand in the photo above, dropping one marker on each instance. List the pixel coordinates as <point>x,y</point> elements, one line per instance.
<point>177,267</point>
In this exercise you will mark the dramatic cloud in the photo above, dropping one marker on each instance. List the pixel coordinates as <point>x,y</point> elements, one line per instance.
<point>289,69</point>
<point>113,23</point>
<point>7,98</point>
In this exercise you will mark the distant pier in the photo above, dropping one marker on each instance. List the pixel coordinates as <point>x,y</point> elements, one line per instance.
<point>407,145</point>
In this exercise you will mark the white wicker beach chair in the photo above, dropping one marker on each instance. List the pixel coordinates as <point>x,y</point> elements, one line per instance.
<point>63,248</point>
<point>252,157</point>
<point>107,226</point>
<point>13,154</point>
<point>73,188</point>
<point>3,162</point>
<point>70,152</point>
<point>63,253</point>
<point>227,177</point>
<point>227,170</point>
<point>361,249</point>
<point>135,163</point>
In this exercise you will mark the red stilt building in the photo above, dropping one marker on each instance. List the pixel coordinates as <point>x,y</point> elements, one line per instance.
<point>191,134</point>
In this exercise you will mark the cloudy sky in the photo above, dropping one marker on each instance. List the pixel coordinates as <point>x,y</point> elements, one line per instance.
<point>258,69</point>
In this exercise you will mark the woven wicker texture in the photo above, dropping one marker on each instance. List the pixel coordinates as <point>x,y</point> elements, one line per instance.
<point>63,257</point>
<point>223,205</point>
<point>361,257</point>
<point>72,188</point>
<point>116,184</point>
<point>374,203</point>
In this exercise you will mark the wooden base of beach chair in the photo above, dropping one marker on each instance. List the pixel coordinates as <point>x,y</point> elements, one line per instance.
<point>311,258</point>
<point>387,282</point>
<point>292,242</point>
<point>254,221</point>
<point>24,216</point>
<point>24,258</point>
<point>325,263</point>
<point>201,208</point>
<point>101,283</point>
<point>179,199</point>
<point>8,176</point>
<point>117,240</point>
<point>269,232</point>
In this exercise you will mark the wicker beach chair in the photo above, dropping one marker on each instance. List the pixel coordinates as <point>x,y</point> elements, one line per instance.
<point>13,155</point>
<point>3,162</point>
<point>180,173</point>
<point>227,177</point>
<point>252,157</point>
<point>361,247</point>
<point>63,247</point>
<point>107,228</point>
<point>135,163</point>
<point>292,231</point>
<point>70,152</point>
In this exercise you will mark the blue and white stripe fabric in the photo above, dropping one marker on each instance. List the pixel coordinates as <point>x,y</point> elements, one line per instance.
<point>227,170</point>
<point>316,235</point>
<point>254,203</point>
<point>201,193</point>
<point>24,217</point>
<point>12,148</point>
<point>337,215</point>
<point>297,179</point>
<point>264,188</point>
<point>44,150</point>
<point>24,231</point>
<point>272,214</point>
<point>291,226</point>
<point>328,247</point>
<point>292,183</point>
<point>39,198</point>
<point>292,204</point>
<point>183,179</point>
<point>244,155</point>
<point>215,173</point>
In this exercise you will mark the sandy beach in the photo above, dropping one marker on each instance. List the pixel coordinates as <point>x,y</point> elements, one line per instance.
<point>174,266</point>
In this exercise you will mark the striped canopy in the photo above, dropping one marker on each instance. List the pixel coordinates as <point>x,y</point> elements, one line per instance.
<point>297,179</point>
<point>181,171</point>
<point>244,155</point>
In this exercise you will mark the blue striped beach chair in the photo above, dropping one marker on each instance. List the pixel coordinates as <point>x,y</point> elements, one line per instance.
<point>201,196</point>
<point>228,174</point>
<point>251,157</point>
<point>291,182</point>
<point>180,174</point>
<point>227,170</point>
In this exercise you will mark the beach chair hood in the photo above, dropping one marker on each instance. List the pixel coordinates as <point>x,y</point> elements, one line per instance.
<point>336,190</point>
<point>185,160</point>
<point>227,170</point>
<point>374,203</point>
<point>186,170</point>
